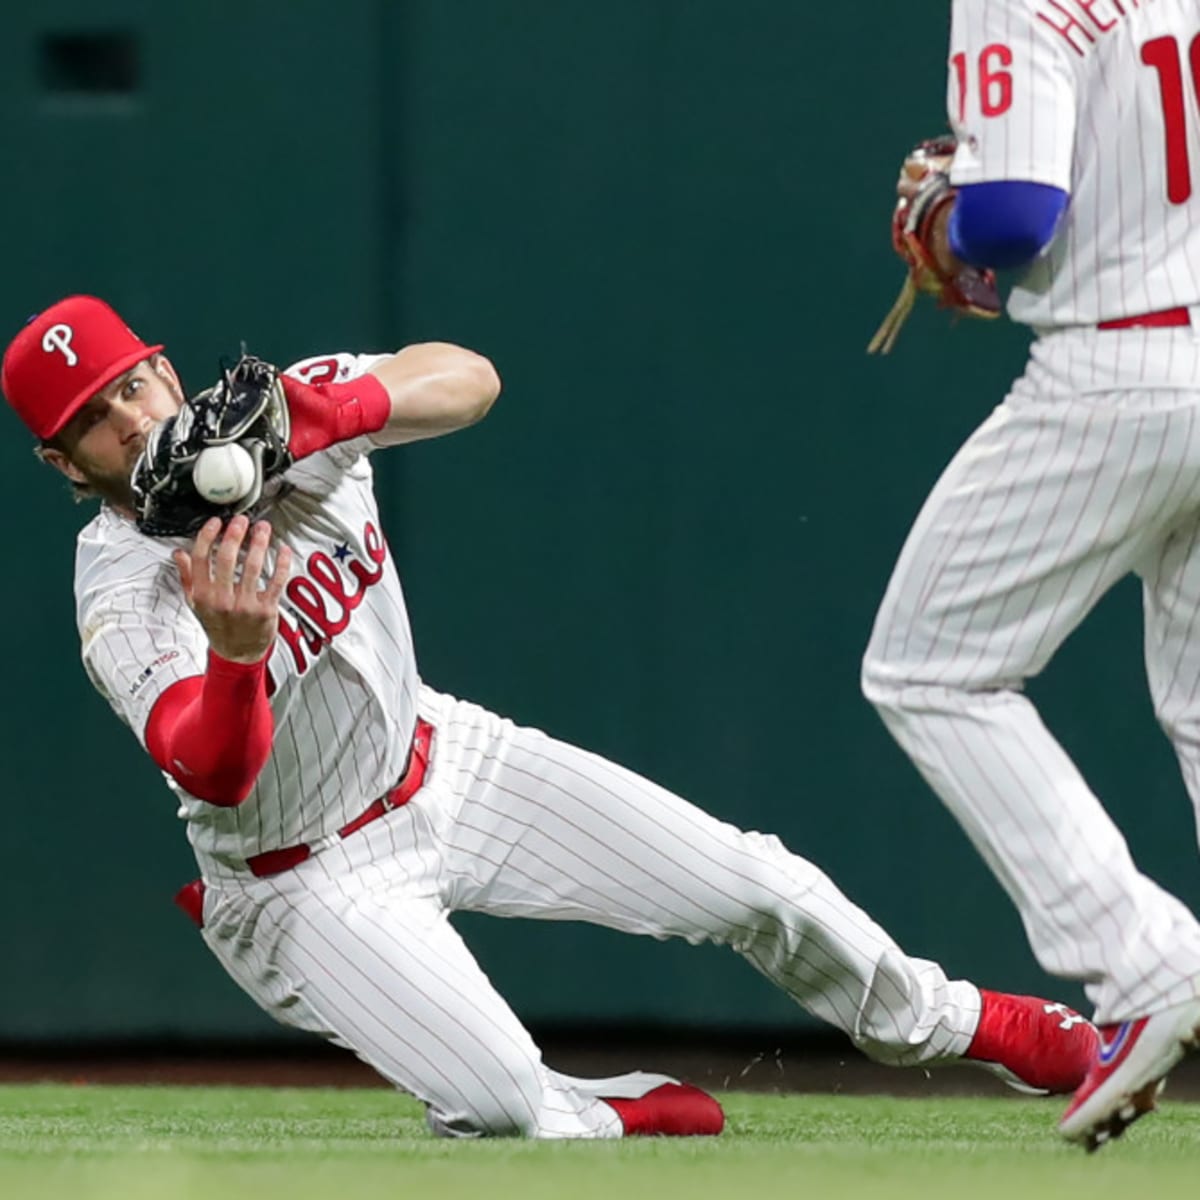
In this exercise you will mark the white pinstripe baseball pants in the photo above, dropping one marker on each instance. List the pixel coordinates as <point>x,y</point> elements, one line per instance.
<point>355,943</point>
<point>1068,486</point>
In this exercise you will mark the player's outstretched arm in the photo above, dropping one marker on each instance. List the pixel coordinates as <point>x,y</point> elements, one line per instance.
<point>420,392</point>
<point>434,388</point>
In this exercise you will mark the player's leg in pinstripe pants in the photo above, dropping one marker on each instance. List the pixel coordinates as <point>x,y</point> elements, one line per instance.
<point>355,943</point>
<point>541,829</point>
<point>1045,507</point>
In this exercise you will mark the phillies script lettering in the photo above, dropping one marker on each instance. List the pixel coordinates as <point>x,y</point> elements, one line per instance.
<point>324,599</point>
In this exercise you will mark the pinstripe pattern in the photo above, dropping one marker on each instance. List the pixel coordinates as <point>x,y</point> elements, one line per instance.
<point>541,829</point>
<point>1060,493</point>
<point>1087,115</point>
<point>355,944</point>
<point>1088,471</point>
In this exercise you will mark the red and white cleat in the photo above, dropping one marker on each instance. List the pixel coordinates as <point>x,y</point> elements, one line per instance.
<point>1036,1046</point>
<point>1131,1067</point>
<point>668,1109</point>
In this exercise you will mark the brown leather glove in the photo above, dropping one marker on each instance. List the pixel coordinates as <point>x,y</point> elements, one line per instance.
<point>925,193</point>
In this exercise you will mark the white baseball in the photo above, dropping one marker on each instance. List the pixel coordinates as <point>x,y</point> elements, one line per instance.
<point>223,474</point>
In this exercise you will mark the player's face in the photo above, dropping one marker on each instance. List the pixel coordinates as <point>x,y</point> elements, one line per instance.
<point>102,441</point>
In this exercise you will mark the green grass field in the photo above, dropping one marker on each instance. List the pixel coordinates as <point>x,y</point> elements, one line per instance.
<point>90,1142</point>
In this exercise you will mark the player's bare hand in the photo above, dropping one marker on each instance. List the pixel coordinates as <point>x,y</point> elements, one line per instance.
<point>240,614</point>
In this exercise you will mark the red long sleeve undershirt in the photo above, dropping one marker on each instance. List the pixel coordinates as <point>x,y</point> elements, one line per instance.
<point>212,733</point>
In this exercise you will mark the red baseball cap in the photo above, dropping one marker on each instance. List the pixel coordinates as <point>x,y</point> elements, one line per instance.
<point>63,357</point>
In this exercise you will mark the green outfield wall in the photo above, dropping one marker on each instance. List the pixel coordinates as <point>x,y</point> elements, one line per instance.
<point>666,222</point>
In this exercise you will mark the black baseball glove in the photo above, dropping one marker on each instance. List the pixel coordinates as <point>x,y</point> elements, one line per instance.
<point>246,406</point>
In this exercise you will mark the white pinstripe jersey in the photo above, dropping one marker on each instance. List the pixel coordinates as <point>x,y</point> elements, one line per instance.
<point>1100,98</point>
<point>343,677</point>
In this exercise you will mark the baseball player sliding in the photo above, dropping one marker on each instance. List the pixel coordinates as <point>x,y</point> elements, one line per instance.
<point>256,642</point>
<point>1076,155</point>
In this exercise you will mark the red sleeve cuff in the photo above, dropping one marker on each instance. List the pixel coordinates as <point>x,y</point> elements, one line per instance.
<point>325,414</point>
<point>226,668</point>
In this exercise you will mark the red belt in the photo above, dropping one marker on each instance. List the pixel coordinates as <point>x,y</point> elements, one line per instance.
<point>1157,320</point>
<point>190,897</point>
<point>271,862</point>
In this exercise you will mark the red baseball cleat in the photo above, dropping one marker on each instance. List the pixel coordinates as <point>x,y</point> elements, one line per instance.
<point>1130,1070</point>
<point>1036,1046</point>
<point>669,1110</point>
